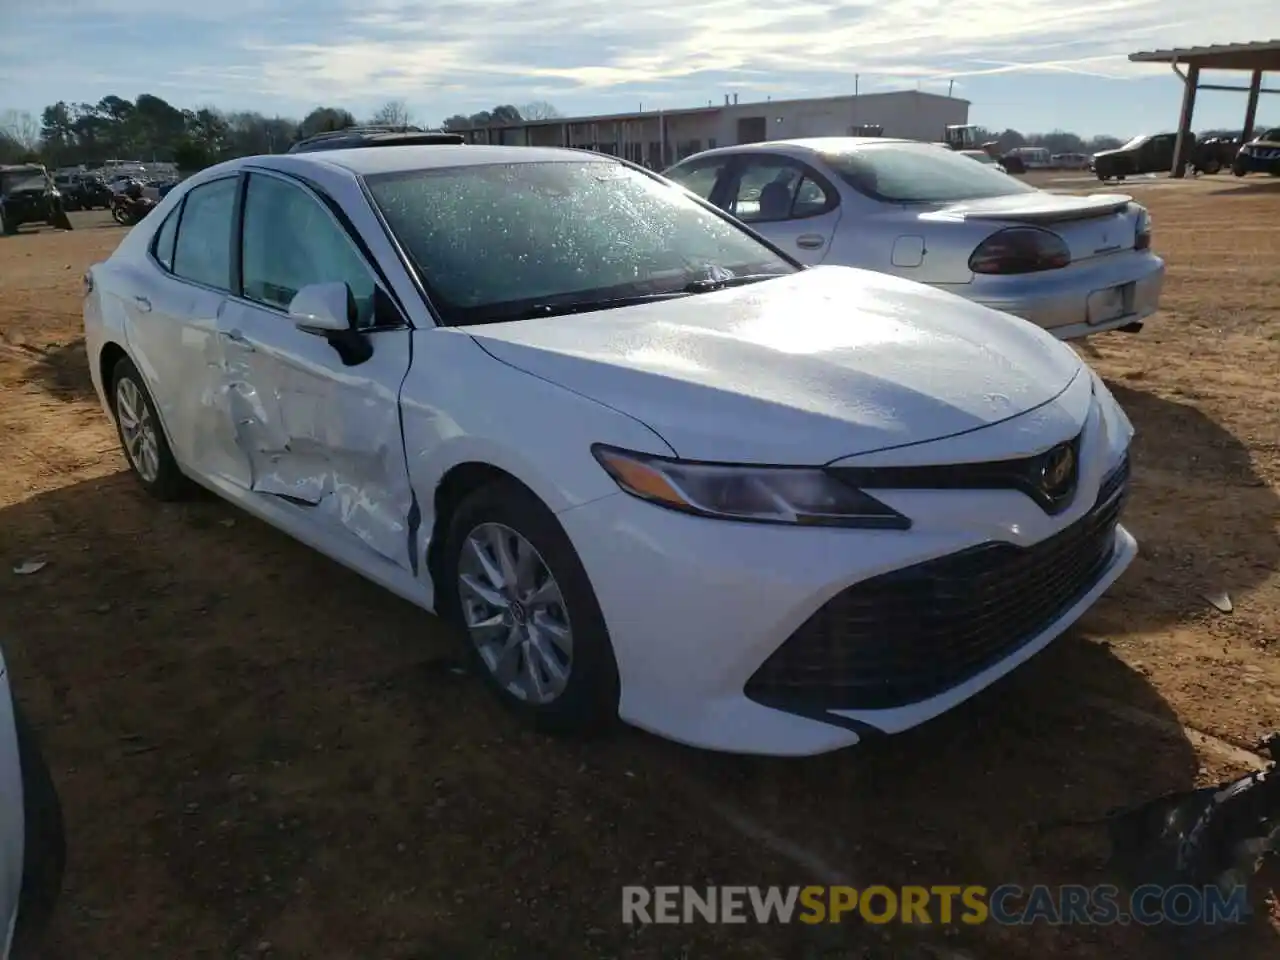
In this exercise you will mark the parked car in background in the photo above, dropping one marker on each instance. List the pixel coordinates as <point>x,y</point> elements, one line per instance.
<point>1144,154</point>
<point>677,479</point>
<point>32,835</point>
<point>1033,158</point>
<point>1073,265</point>
<point>1259,155</point>
<point>1070,161</point>
<point>1214,154</point>
<point>84,191</point>
<point>28,195</point>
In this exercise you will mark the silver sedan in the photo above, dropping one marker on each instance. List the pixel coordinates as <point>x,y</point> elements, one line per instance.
<point>1071,264</point>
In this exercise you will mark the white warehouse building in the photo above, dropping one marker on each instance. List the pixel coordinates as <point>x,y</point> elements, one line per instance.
<point>659,138</point>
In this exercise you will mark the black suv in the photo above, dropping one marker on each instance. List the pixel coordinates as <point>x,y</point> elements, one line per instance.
<point>86,191</point>
<point>375,136</point>
<point>1147,154</point>
<point>27,195</point>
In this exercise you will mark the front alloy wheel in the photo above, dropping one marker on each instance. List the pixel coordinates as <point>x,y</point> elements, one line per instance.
<point>509,576</point>
<point>515,614</point>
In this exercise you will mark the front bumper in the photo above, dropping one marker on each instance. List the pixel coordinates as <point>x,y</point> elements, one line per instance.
<point>19,208</point>
<point>1062,301</point>
<point>696,607</point>
<point>1263,160</point>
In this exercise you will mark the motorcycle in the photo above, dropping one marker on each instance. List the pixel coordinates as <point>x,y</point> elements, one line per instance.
<point>127,212</point>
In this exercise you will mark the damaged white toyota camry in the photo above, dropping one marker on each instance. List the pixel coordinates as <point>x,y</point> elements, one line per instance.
<point>650,466</point>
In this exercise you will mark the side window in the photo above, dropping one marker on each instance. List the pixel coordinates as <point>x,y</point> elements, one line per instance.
<point>162,245</point>
<point>772,188</point>
<point>700,176</point>
<point>291,241</point>
<point>203,249</point>
<point>810,199</point>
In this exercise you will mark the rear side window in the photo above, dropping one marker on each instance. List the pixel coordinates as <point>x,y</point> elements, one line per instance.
<point>162,246</point>
<point>920,173</point>
<point>699,176</point>
<point>202,252</point>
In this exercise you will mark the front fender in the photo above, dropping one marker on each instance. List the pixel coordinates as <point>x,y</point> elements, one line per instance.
<point>461,405</point>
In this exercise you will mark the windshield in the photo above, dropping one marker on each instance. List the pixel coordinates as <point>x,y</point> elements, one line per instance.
<point>24,178</point>
<point>1272,135</point>
<point>492,241</point>
<point>920,173</point>
<point>1136,142</point>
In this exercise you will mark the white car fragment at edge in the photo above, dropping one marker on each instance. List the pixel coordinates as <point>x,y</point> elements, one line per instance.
<point>32,837</point>
<point>1073,265</point>
<point>654,467</point>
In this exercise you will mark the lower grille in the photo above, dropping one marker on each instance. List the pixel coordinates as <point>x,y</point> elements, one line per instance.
<point>914,633</point>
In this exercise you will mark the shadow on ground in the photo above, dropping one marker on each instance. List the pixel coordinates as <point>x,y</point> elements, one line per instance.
<point>1203,516</point>
<point>62,370</point>
<point>1269,186</point>
<point>256,746</point>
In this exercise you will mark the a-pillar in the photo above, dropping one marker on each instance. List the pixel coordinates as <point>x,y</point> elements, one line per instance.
<point>1182,149</point>
<point>1251,109</point>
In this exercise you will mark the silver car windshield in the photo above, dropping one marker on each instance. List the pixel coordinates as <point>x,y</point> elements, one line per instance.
<point>491,240</point>
<point>920,173</point>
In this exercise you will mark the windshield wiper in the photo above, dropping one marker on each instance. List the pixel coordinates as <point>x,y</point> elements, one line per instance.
<point>586,306</point>
<point>706,286</point>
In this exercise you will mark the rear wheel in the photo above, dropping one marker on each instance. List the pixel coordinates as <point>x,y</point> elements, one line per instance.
<point>511,579</point>
<point>142,436</point>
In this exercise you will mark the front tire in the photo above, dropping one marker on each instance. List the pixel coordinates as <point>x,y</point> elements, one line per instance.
<point>510,578</point>
<point>141,434</point>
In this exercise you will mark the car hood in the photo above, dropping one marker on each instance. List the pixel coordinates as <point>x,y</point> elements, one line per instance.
<point>808,368</point>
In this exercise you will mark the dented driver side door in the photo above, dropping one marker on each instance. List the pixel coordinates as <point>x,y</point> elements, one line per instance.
<point>321,437</point>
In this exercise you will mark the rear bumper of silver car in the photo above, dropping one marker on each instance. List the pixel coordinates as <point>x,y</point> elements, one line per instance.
<point>1081,300</point>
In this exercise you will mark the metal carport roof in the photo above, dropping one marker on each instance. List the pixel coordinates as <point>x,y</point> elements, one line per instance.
<point>1257,57</point>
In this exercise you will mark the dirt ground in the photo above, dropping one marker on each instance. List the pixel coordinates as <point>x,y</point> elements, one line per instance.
<point>262,755</point>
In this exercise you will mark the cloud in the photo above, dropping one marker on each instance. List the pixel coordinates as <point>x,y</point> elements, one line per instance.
<point>485,51</point>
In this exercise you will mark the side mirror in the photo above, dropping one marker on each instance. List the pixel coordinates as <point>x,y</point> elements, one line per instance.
<point>324,309</point>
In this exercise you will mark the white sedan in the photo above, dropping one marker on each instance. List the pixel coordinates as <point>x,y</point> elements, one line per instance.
<point>651,466</point>
<point>1073,265</point>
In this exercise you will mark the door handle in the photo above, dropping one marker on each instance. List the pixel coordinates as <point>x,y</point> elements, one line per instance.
<point>809,241</point>
<point>239,339</point>
<point>143,304</point>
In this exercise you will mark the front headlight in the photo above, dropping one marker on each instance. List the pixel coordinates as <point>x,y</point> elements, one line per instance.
<point>807,496</point>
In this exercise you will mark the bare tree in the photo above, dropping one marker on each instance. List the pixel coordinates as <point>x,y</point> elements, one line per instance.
<point>539,110</point>
<point>394,113</point>
<point>22,128</point>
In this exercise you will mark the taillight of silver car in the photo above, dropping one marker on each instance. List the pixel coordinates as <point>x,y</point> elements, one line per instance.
<point>1142,234</point>
<point>1020,250</point>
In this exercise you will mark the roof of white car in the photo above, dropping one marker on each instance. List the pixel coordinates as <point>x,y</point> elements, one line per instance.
<point>809,145</point>
<point>367,161</point>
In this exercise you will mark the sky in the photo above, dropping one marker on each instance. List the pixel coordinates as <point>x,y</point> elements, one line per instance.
<point>1033,65</point>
